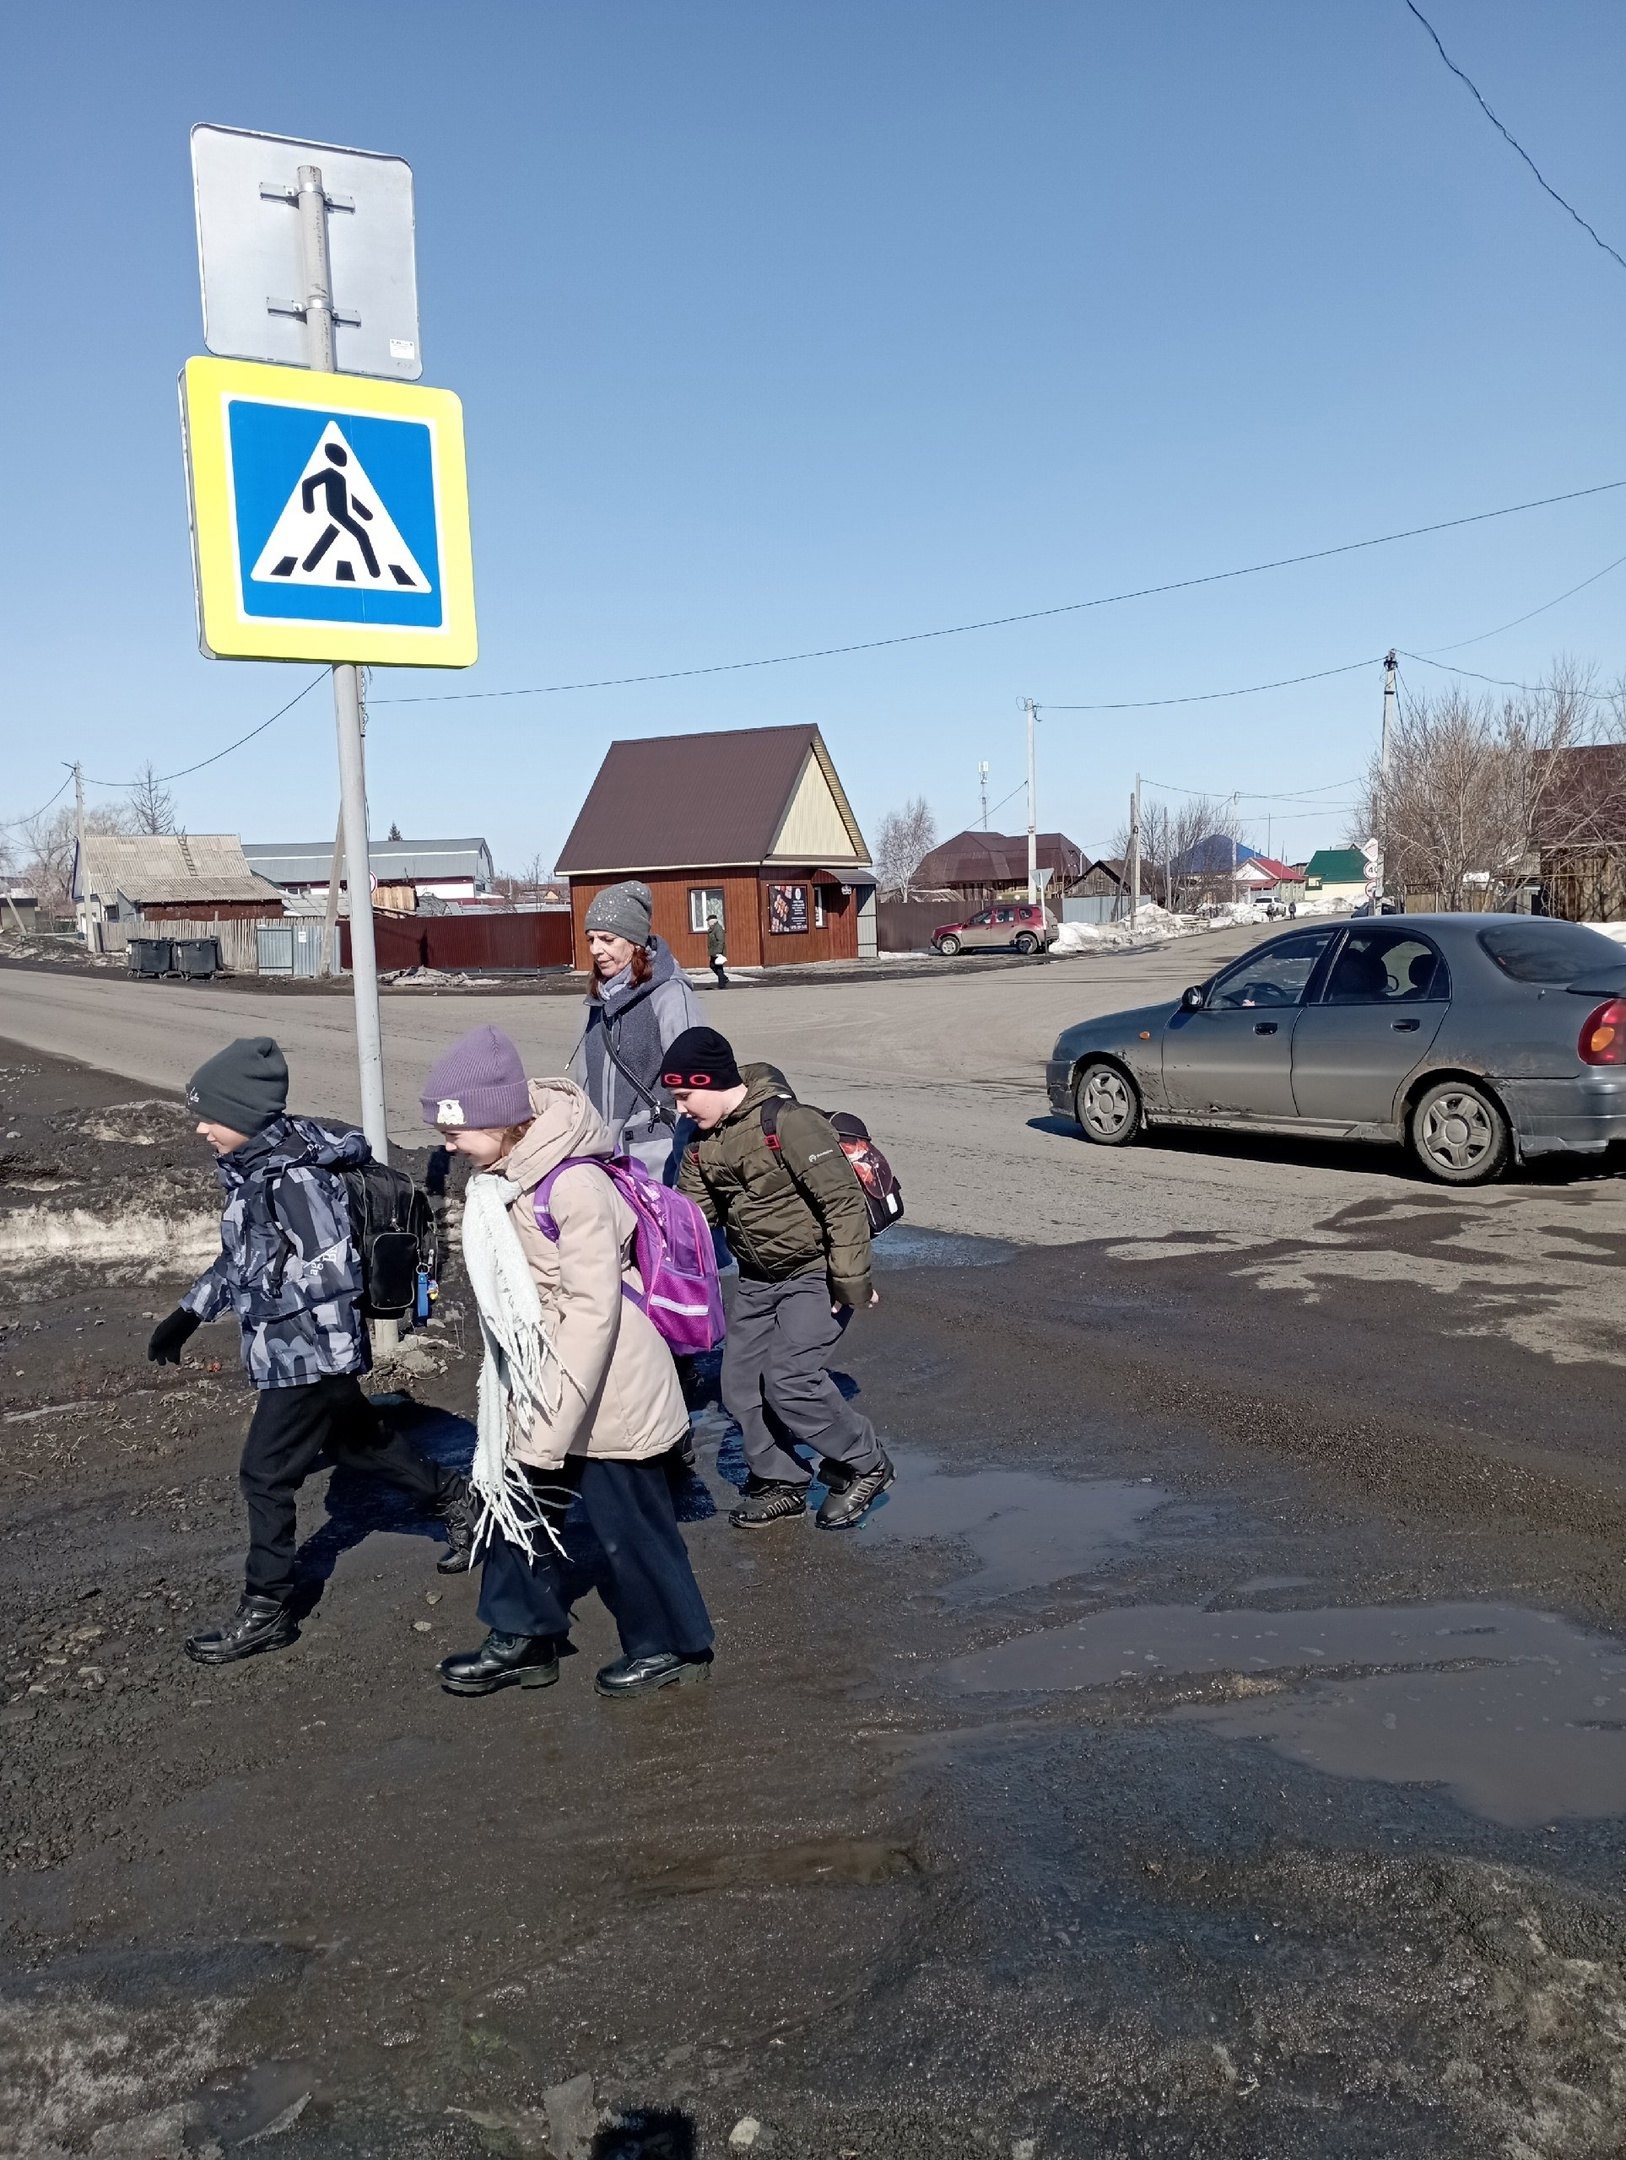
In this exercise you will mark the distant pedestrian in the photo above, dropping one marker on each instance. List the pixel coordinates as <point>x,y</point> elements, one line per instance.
<point>578,1393</point>
<point>640,1000</point>
<point>289,1269</point>
<point>717,950</point>
<point>792,1209</point>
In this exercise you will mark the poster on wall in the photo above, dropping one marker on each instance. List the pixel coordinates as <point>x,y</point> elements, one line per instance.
<point>787,908</point>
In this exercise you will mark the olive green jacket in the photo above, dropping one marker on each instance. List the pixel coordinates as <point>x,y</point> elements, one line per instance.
<point>786,1211</point>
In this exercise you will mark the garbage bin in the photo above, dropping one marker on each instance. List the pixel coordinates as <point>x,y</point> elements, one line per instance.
<point>197,956</point>
<point>151,955</point>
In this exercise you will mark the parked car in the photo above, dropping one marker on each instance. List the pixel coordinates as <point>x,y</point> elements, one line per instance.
<point>1475,1039</point>
<point>1019,925</point>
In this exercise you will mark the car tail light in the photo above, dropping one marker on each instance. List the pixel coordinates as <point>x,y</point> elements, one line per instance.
<point>1603,1035</point>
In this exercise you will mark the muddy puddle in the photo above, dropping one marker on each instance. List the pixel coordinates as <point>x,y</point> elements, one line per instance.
<point>1025,1530</point>
<point>906,1246</point>
<point>1519,1715</point>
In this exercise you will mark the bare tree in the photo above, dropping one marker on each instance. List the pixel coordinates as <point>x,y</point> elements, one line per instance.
<point>46,853</point>
<point>902,839</point>
<point>151,805</point>
<point>523,887</point>
<point>1474,785</point>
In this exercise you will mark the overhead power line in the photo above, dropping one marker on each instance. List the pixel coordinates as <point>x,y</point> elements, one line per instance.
<point>16,823</point>
<point>1349,667</point>
<point>1512,142</point>
<point>160,778</point>
<point>998,622</point>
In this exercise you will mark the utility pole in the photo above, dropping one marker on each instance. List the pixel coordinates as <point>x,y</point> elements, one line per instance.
<point>1033,809</point>
<point>1134,854</point>
<point>1391,716</point>
<point>982,775</point>
<point>319,315</point>
<point>79,847</point>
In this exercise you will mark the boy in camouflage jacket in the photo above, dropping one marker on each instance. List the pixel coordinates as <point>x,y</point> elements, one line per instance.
<point>289,1269</point>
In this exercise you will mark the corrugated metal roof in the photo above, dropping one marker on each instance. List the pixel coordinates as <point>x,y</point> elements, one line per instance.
<point>695,802</point>
<point>308,862</point>
<point>975,857</point>
<point>168,868</point>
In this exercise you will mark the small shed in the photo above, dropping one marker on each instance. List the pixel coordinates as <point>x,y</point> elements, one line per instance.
<point>124,879</point>
<point>752,825</point>
<point>406,871</point>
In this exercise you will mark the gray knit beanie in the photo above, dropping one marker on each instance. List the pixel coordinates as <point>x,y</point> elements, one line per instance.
<point>625,910</point>
<point>480,1081</point>
<point>244,1086</point>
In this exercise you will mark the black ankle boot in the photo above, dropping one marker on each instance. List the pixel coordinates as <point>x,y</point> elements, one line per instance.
<point>457,1515</point>
<point>259,1623</point>
<point>501,1661</point>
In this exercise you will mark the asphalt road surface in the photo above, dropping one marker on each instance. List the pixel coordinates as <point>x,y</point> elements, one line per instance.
<point>948,1072</point>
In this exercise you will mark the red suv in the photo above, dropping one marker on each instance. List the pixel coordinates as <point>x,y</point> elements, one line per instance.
<point>1021,925</point>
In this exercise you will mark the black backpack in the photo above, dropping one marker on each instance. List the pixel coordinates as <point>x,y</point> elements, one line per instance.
<point>393,1229</point>
<point>883,1195</point>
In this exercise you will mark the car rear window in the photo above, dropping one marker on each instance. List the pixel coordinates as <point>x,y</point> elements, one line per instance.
<point>1542,951</point>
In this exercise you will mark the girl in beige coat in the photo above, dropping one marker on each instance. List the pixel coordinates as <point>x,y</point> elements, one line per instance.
<point>578,1393</point>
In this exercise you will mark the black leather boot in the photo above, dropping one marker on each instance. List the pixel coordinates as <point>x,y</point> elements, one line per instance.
<point>641,1675</point>
<point>501,1661</point>
<point>259,1623</point>
<point>458,1517</point>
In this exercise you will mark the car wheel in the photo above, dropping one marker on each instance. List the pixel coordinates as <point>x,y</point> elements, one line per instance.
<point>1027,942</point>
<point>1107,1104</point>
<point>1459,1134</point>
<point>948,947</point>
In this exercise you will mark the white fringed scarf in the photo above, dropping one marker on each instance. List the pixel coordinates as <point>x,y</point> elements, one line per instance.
<point>521,1372</point>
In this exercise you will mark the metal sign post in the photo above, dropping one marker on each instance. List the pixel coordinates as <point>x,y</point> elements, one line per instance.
<point>383,571</point>
<point>317,284</point>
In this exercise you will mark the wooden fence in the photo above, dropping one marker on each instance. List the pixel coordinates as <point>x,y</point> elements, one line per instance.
<point>239,939</point>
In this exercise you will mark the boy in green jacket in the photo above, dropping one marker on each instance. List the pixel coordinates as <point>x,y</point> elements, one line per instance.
<point>787,1199</point>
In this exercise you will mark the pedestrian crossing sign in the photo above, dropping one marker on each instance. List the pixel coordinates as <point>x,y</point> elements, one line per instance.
<point>330,517</point>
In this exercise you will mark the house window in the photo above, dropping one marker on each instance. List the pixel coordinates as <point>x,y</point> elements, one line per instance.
<point>705,901</point>
<point>818,907</point>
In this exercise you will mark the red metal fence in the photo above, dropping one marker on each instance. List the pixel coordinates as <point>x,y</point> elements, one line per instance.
<point>468,943</point>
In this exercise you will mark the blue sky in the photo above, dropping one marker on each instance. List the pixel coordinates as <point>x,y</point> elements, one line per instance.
<point>784,326</point>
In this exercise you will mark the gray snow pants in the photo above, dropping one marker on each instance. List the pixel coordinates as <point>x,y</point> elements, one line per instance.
<point>776,1380</point>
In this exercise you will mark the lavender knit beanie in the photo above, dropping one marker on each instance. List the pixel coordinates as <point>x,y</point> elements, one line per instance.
<point>480,1081</point>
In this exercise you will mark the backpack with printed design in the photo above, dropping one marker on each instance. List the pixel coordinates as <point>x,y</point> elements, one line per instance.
<point>673,1251</point>
<point>877,1181</point>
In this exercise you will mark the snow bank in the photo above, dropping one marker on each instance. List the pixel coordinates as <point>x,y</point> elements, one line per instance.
<point>1615,930</point>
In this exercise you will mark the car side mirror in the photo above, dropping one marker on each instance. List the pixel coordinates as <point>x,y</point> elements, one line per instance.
<point>1194,999</point>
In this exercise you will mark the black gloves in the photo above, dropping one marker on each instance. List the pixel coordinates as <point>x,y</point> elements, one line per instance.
<point>171,1336</point>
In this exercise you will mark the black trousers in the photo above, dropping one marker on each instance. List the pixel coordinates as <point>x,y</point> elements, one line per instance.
<point>293,1431</point>
<point>633,1555</point>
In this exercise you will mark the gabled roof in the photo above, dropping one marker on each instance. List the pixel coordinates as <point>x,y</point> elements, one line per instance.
<point>703,802</point>
<point>1337,866</point>
<point>975,857</point>
<point>1215,855</point>
<point>310,862</point>
<point>168,869</point>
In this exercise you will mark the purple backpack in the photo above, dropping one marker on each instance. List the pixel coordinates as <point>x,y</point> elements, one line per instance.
<point>676,1259</point>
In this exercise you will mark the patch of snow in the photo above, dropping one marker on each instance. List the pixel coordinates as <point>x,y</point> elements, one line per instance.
<point>143,1240</point>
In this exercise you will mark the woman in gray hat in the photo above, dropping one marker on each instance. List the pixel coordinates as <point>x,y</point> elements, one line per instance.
<point>639,1002</point>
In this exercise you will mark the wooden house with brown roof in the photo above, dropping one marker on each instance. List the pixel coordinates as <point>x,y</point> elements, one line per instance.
<point>751,824</point>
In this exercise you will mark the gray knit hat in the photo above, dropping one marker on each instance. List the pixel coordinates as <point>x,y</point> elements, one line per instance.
<point>480,1081</point>
<point>625,910</point>
<point>244,1086</point>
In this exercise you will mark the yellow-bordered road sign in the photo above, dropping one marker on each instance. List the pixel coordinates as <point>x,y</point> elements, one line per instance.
<point>330,517</point>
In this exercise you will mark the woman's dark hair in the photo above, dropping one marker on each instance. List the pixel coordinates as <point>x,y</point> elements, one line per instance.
<point>642,968</point>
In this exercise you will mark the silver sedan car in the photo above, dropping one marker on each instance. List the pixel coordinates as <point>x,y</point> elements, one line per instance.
<point>1477,1040</point>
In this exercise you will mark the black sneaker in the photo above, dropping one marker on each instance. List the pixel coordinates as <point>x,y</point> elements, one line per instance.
<point>259,1623</point>
<point>501,1661</point>
<point>842,1509</point>
<point>766,1503</point>
<point>458,1515</point>
<point>642,1675</point>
